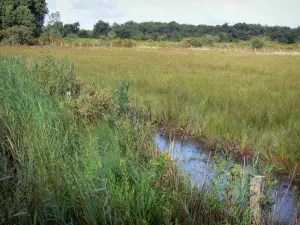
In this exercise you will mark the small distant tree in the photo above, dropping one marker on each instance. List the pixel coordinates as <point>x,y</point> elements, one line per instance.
<point>111,35</point>
<point>155,36</point>
<point>176,36</point>
<point>257,43</point>
<point>191,42</point>
<point>54,18</point>
<point>209,39</point>
<point>223,37</point>
<point>84,34</point>
<point>71,29</point>
<point>71,36</point>
<point>101,28</point>
<point>163,37</point>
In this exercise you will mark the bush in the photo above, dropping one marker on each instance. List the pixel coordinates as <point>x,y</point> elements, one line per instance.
<point>128,43</point>
<point>209,39</point>
<point>19,35</point>
<point>71,36</point>
<point>257,43</point>
<point>191,42</point>
<point>94,106</point>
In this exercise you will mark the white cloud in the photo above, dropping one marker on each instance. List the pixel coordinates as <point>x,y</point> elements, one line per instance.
<point>266,12</point>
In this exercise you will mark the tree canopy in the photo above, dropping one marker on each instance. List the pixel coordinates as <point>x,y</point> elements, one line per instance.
<point>26,13</point>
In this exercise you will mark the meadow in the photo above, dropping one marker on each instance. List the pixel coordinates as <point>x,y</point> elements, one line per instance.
<point>89,157</point>
<point>245,101</point>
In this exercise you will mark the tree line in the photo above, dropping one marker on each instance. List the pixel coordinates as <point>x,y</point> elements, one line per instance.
<point>172,31</point>
<point>22,21</point>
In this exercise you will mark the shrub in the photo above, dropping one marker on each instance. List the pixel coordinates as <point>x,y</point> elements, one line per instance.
<point>209,39</point>
<point>257,43</point>
<point>71,36</point>
<point>191,42</point>
<point>128,43</point>
<point>19,35</point>
<point>95,106</point>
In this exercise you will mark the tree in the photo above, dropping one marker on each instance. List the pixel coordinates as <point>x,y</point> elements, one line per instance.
<point>209,39</point>
<point>122,32</point>
<point>22,15</point>
<point>111,35</point>
<point>176,36</point>
<point>39,10</point>
<point>100,28</point>
<point>223,37</point>
<point>84,34</point>
<point>71,29</point>
<point>54,18</point>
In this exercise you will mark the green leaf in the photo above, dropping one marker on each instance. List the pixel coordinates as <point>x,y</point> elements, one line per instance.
<point>20,214</point>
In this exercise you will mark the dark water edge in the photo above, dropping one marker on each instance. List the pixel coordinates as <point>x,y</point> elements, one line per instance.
<point>198,163</point>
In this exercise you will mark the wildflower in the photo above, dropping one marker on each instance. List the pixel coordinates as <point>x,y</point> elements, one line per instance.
<point>238,167</point>
<point>167,156</point>
<point>260,197</point>
<point>228,175</point>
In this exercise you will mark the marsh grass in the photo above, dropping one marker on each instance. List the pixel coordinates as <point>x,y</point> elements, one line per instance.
<point>63,165</point>
<point>243,100</point>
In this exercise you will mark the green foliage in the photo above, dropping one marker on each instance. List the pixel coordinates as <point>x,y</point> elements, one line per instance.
<point>29,13</point>
<point>89,158</point>
<point>257,43</point>
<point>71,36</point>
<point>18,35</point>
<point>176,36</point>
<point>191,42</point>
<point>223,37</point>
<point>128,43</point>
<point>84,34</point>
<point>111,35</point>
<point>54,18</point>
<point>101,28</point>
<point>209,39</point>
<point>71,29</point>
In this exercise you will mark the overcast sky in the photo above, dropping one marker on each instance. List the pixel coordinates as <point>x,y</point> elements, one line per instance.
<point>210,12</point>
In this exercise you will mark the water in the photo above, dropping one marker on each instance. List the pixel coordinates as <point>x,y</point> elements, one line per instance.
<point>197,162</point>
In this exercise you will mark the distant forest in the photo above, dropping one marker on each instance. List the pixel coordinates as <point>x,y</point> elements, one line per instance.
<point>172,31</point>
<point>176,32</point>
<point>23,22</point>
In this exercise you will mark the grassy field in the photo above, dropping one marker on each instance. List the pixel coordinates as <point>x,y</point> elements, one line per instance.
<point>89,158</point>
<point>247,101</point>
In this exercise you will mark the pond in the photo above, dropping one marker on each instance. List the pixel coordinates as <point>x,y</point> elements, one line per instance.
<point>197,162</point>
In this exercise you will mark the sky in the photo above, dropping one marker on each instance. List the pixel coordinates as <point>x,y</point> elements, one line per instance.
<point>209,12</point>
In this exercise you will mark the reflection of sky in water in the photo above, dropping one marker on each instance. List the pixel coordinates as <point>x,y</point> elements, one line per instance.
<point>195,161</point>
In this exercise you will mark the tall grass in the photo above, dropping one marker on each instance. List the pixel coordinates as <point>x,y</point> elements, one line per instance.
<point>57,169</point>
<point>89,158</point>
<point>244,100</point>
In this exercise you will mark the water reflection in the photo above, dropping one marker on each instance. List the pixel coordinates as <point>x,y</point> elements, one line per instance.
<point>197,162</point>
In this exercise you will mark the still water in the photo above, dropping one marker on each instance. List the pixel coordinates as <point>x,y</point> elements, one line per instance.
<point>197,162</point>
